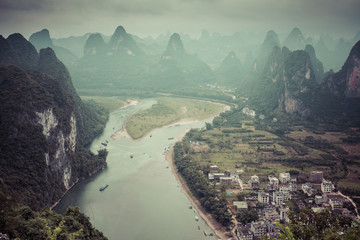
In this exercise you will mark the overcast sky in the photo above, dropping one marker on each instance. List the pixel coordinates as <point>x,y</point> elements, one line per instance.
<point>151,17</point>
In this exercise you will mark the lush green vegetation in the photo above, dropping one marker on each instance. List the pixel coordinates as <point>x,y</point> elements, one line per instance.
<point>21,222</point>
<point>310,226</point>
<point>213,201</point>
<point>245,216</point>
<point>167,111</point>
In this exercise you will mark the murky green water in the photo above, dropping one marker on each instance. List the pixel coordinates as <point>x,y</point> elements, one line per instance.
<point>143,200</point>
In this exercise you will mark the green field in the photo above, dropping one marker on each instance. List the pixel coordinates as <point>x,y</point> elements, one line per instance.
<point>167,111</point>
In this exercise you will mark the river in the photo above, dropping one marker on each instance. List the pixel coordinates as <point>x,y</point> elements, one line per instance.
<point>143,200</point>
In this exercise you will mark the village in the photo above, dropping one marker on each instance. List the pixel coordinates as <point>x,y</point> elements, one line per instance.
<point>273,202</point>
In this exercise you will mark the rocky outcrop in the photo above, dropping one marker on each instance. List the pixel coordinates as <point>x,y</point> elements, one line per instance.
<point>316,63</point>
<point>175,48</point>
<point>289,81</point>
<point>7,53</point>
<point>27,53</point>
<point>299,82</point>
<point>42,39</point>
<point>44,127</point>
<point>121,43</point>
<point>346,82</point>
<point>295,40</point>
<point>183,69</point>
<point>229,73</point>
<point>95,45</point>
<point>271,40</point>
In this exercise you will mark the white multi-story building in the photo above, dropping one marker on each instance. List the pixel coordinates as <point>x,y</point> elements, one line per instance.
<point>335,203</point>
<point>254,182</point>
<point>278,198</point>
<point>273,180</point>
<point>226,180</point>
<point>263,197</point>
<point>258,228</point>
<point>284,177</point>
<point>292,184</point>
<point>283,213</point>
<point>316,176</point>
<point>326,186</point>
<point>248,112</point>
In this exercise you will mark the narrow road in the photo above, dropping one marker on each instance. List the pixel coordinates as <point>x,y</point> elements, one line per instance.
<point>352,202</point>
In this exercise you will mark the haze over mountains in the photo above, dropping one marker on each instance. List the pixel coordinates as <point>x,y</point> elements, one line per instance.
<point>276,77</point>
<point>45,126</point>
<point>126,64</point>
<point>291,70</point>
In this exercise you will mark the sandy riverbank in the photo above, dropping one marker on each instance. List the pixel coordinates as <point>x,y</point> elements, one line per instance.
<point>217,228</point>
<point>122,133</point>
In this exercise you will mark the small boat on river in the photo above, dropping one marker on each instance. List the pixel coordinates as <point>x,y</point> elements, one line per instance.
<point>131,155</point>
<point>102,188</point>
<point>170,138</point>
<point>196,218</point>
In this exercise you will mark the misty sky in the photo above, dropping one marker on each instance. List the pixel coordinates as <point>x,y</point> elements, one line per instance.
<point>151,17</point>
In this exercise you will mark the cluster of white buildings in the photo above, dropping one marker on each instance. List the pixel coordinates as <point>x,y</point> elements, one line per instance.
<point>228,178</point>
<point>247,111</point>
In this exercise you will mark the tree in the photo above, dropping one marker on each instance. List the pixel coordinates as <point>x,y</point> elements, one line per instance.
<point>246,216</point>
<point>208,126</point>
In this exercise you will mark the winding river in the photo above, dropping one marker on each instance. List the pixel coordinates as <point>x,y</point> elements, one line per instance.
<point>143,200</point>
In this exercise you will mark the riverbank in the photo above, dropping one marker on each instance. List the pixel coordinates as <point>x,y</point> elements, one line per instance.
<point>217,228</point>
<point>169,111</point>
<point>122,132</point>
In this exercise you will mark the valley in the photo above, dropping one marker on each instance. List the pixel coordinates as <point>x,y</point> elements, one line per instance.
<point>260,131</point>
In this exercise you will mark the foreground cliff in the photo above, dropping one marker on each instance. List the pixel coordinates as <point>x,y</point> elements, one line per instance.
<point>44,126</point>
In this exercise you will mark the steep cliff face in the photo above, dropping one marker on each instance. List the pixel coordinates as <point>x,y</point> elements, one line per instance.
<point>316,63</point>
<point>44,130</point>
<point>299,82</point>
<point>346,82</point>
<point>288,82</point>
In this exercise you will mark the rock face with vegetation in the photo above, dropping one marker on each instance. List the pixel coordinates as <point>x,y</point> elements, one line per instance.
<point>316,63</point>
<point>346,82</point>
<point>122,43</point>
<point>184,69</point>
<point>295,40</point>
<point>287,82</point>
<point>229,73</point>
<point>42,39</point>
<point>95,45</point>
<point>44,127</point>
<point>271,40</point>
<point>21,222</point>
